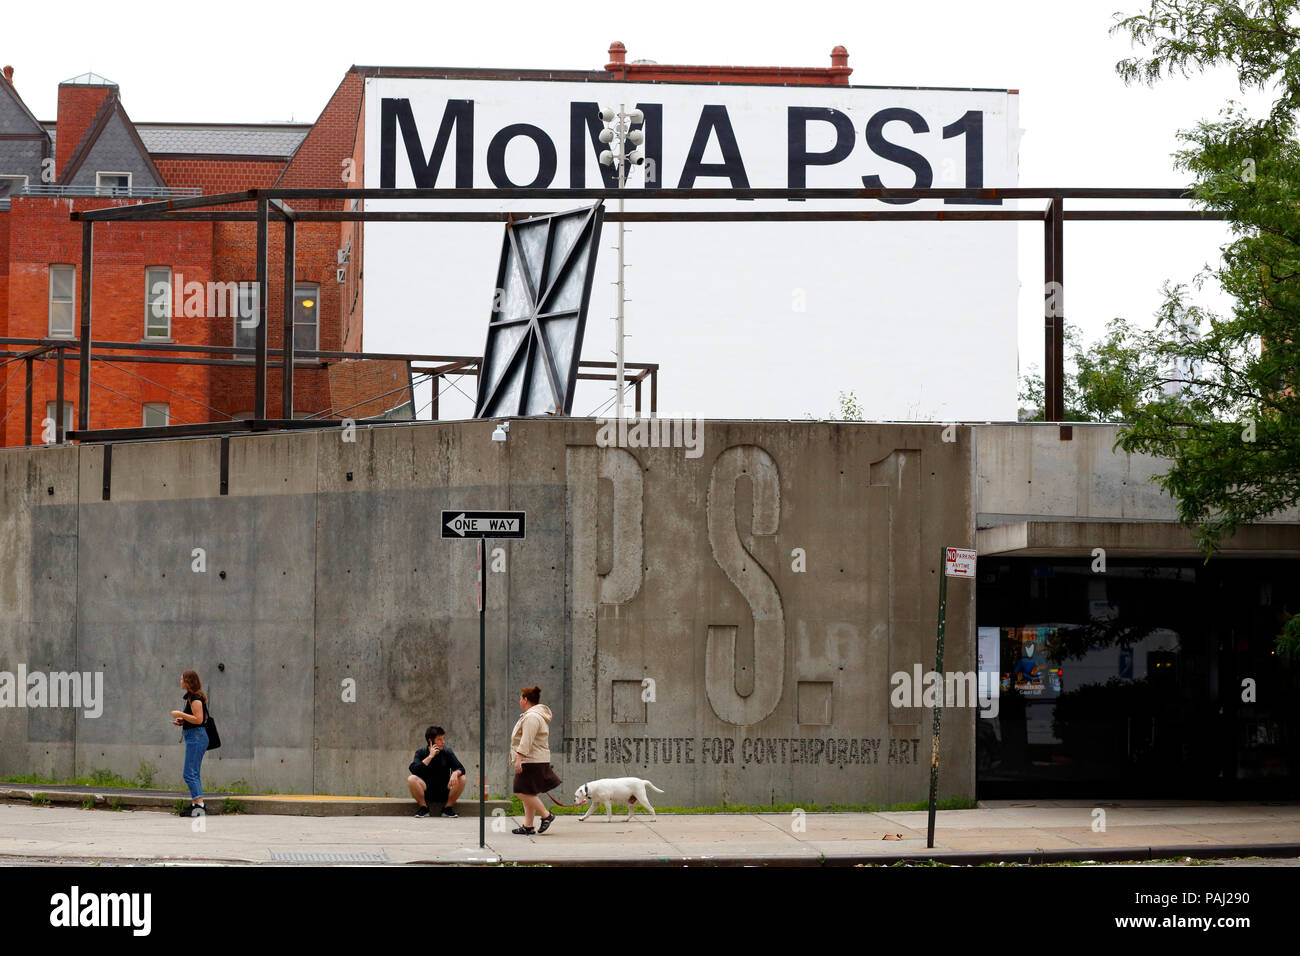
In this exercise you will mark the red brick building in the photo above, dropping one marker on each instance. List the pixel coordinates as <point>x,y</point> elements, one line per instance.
<point>153,283</point>
<point>170,283</point>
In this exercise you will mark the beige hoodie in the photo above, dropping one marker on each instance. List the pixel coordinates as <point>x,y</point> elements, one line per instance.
<point>531,735</point>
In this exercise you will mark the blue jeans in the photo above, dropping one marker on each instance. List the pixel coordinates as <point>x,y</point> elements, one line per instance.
<point>196,745</point>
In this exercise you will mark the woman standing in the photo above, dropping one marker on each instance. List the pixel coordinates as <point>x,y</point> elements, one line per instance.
<point>532,759</point>
<point>196,738</point>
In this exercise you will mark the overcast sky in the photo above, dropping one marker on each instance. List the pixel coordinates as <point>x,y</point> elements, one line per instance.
<point>240,61</point>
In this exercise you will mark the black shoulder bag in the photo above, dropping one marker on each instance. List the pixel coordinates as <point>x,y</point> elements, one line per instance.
<point>210,725</point>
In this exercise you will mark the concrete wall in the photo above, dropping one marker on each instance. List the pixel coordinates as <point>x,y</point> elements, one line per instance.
<point>325,564</point>
<point>1026,471</point>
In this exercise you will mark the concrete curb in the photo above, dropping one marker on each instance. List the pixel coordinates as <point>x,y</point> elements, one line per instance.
<point>948,857</point>
<point>102,798</point>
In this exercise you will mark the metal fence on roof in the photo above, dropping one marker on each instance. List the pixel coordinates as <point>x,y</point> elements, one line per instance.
<point>114,192</point>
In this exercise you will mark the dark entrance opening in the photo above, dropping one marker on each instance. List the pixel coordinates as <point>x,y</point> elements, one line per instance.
<point>1135,682</point>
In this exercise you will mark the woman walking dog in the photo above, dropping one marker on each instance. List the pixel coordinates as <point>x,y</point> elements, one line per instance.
<point>196,738</point>
<point>532,760</point>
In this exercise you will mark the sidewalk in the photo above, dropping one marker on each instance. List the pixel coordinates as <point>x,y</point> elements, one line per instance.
<point>997,831</point>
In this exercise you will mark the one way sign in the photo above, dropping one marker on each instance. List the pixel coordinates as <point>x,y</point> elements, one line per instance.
<point>483,524</point>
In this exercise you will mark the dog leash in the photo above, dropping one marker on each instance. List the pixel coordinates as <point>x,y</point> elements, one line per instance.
<point>559,804</point>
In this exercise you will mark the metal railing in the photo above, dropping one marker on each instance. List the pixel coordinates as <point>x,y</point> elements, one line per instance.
<point>435,368</point>
<point>114,192</point>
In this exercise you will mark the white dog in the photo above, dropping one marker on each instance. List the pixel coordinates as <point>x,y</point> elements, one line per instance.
<point>629,790</point>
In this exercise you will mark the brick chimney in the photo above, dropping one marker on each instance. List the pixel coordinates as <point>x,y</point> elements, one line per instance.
<point>617,57</point>
<point>9,75</point>
<point>840,66</point>
<point>78,103</point>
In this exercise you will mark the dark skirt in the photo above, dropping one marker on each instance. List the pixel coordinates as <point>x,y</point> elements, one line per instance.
<point>536,778</point>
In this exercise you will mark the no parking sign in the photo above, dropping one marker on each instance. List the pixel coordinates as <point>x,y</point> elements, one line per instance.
<point>959,562</point>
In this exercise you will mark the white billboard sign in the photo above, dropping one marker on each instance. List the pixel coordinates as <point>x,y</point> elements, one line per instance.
<point>746,319</point>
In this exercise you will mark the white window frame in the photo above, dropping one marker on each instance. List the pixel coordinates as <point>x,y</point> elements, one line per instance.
<point>71,333</point>
<point>154,407</point>
<point>308,290</point>
<point>239,318</point>
<point>114,190</point>
<point>150,302</point>
<point>67,418</point>
<point>15,177</point>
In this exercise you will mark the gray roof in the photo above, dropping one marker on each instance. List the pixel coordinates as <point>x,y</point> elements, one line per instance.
<point>222,139</point>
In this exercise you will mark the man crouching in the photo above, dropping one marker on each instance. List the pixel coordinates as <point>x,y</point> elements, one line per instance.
<point>437,777</point>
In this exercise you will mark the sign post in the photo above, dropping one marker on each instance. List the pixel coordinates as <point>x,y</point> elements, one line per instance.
<point>482,700</point>
<point>480,525</point>
<point>957,563</point>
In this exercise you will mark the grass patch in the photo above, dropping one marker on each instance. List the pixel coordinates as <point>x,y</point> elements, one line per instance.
<point>952,803</point>
<point>87,802</point>
<point>116,803</point>
<point>107,778</point>
<point>914,863</point>
<point>180,806</point>
<point>40,800</point>
<point>145,779</point>
<point>96,778</point>
<point>230,805</point>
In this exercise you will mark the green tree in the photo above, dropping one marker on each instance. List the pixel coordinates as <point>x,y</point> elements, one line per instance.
<point>1213,393</point>
<point>1081,402</point>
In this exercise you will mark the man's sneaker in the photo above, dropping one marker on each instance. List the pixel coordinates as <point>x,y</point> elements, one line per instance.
<point>422,812</point>
<point>449,812</point>
<point>541,828</point>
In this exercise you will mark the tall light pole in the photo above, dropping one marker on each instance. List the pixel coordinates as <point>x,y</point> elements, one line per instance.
<point>618,133</point>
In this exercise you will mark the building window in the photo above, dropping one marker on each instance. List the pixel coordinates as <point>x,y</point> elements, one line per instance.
<point>12,186</point>
<point>113,184</point>
<point>157,303</point>
<point>306,315</point>
<point>157,414</point>
<point>246,317</point>
<point>63,285</point>
<point>51,417</point>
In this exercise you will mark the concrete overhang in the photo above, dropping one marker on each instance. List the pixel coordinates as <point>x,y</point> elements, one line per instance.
<point>1162,539</point>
